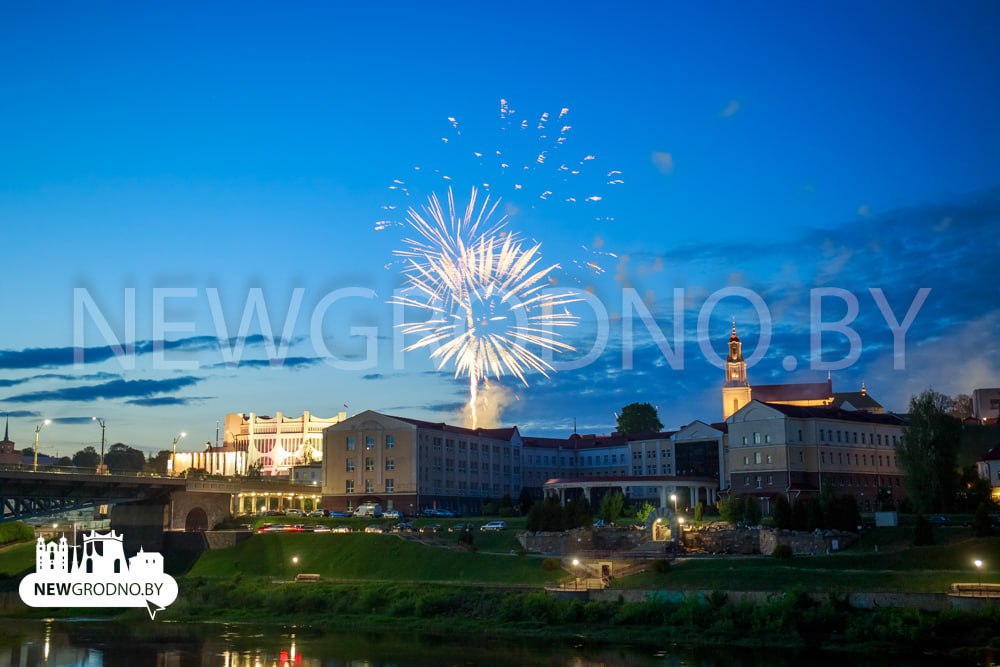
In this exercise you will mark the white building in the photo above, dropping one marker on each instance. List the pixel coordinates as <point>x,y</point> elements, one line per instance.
<point>277,444</point>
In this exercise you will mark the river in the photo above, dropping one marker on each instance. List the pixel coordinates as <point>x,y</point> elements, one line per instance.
<point>83,643</point>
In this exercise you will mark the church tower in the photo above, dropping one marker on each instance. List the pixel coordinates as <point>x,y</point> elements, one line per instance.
<point>736,389</point>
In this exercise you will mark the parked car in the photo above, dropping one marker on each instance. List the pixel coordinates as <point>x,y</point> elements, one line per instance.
<point>494,526</point>
<point>340,529</point>
<point>374,528</point>
<point>460,527</point>
<point>939,520</point>
<point>340,515</point>
<point>403,527</point>
<point>431,528</point>
<point>273,528</point>
<point>318,513</point>
<point>392,514</point>
<point>321,529</point>
<point>295,512</point>
<point>599,523</point>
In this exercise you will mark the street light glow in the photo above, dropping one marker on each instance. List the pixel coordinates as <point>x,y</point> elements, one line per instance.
<point>576,561</point>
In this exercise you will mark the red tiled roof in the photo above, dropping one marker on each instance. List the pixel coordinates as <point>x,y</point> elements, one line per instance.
<point>828,412</point>
<point>806,391</point>
<point>992,455</point>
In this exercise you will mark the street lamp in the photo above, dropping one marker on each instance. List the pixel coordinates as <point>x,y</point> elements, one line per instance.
<point>100,466</point>
<point>173,457</point>
<point>673,499</point>
<point>37,429</point>
<point>979,575</point>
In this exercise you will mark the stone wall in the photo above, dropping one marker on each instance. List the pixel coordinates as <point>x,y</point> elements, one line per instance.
<point>182,503</point>
<point>816,543</point>
<point>712,540</point>
<point>558,543</point>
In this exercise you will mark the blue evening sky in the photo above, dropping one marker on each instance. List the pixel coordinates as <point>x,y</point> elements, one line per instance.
<point>189,150</point>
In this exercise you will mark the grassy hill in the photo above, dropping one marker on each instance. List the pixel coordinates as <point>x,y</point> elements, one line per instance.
<point>920,570</point>
<point>370,557</point>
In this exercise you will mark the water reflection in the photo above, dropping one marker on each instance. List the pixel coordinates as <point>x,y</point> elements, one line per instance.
<point>102,644</point>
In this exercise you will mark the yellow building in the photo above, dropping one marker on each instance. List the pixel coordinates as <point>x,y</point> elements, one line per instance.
<point>411,465</point>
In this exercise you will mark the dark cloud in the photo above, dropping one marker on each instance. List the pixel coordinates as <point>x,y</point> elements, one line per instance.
<point>372,376</point>
<point>165,401</point>
<point>89,377</point>
<point>54,357</point>
<point>108,390</point>
<point>73,420</point>
<point>19,414</point>
<point>287,362</point>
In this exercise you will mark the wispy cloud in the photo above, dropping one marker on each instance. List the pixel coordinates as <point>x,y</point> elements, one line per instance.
<point>114,389</point>
<point>166,401</point>
<point>663,161</point>
<point>89,377</point>
<point>732,108</point>
<point>54,357</point>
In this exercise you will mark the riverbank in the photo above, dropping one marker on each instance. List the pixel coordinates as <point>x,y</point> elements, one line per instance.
<point>793,620</point>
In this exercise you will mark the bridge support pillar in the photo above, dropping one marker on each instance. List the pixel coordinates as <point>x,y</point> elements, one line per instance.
<point>198,511</point>
<point>141,523</point>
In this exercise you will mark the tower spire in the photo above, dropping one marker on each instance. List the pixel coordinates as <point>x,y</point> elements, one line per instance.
<point>6,429</point>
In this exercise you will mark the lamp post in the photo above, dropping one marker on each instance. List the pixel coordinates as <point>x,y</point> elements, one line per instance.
<point>979,576</point>
<point>673,499</point>
<point>173,456</point>
<point>37,430</point>
<point>100,466</point>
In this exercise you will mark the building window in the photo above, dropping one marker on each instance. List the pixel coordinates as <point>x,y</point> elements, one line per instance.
<point>769,458</point>
<point>770,480</point>
<point>350,465</point>
<point>369,442</point>
<point>369,464</point>
<point>800,435</point>
<point>744,440</point>
<point>746,460</point>
<point>746,481</point>
<point>802,456</point>
<point>390,464</point>
<point>767,438</point>
<point>756,438</point>
<point>756,457</point>
<point>838,436</point>
<point>350,443</point>
<point>757,482</point>
<point>369,487</point>
<point>390,486</point>
<point>349,486</point>
<point>390,441</point>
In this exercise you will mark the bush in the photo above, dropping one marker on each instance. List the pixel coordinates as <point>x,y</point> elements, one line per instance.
<point>923,534</point>
<point>551,564</point>
<point>660,566</point>
<point>699,511</point>
<point>15,531</point>
<point>782,552</point>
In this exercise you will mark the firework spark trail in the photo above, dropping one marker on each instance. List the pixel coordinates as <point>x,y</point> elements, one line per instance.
<point>483,287</point>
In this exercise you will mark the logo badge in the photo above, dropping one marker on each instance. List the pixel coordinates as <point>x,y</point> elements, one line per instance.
<point>98,576</point>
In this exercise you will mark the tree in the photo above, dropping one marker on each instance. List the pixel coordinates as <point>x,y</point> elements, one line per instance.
<point>611,506</point>
<point>782,512</point>
<point>525,501</point>
<point>87,458</point>
<point>158,463</point>
<point>639,418</point>
<point>961,407</point>
<point>122,458</point>
<point>928,452</point>
<point>643,512</point>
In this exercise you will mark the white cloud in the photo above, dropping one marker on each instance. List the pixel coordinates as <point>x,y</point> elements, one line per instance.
<point>664,162</point>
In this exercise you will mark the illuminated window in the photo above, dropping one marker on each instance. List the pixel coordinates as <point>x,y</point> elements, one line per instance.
<point>349,486</point>
<point>390,486</point>
<point>350,465</point>
<point>390,464</point>
<point>369,442</point>
<point>369,487</point>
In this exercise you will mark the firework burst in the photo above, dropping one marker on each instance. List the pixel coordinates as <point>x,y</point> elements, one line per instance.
<point>484,290</point>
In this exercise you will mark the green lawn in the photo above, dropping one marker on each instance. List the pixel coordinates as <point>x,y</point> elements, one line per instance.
<point>923,569</point>
<point>368,557</point>
<point>17,559</point>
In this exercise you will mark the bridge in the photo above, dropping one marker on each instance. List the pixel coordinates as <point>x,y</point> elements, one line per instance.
<point>27,494</point>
